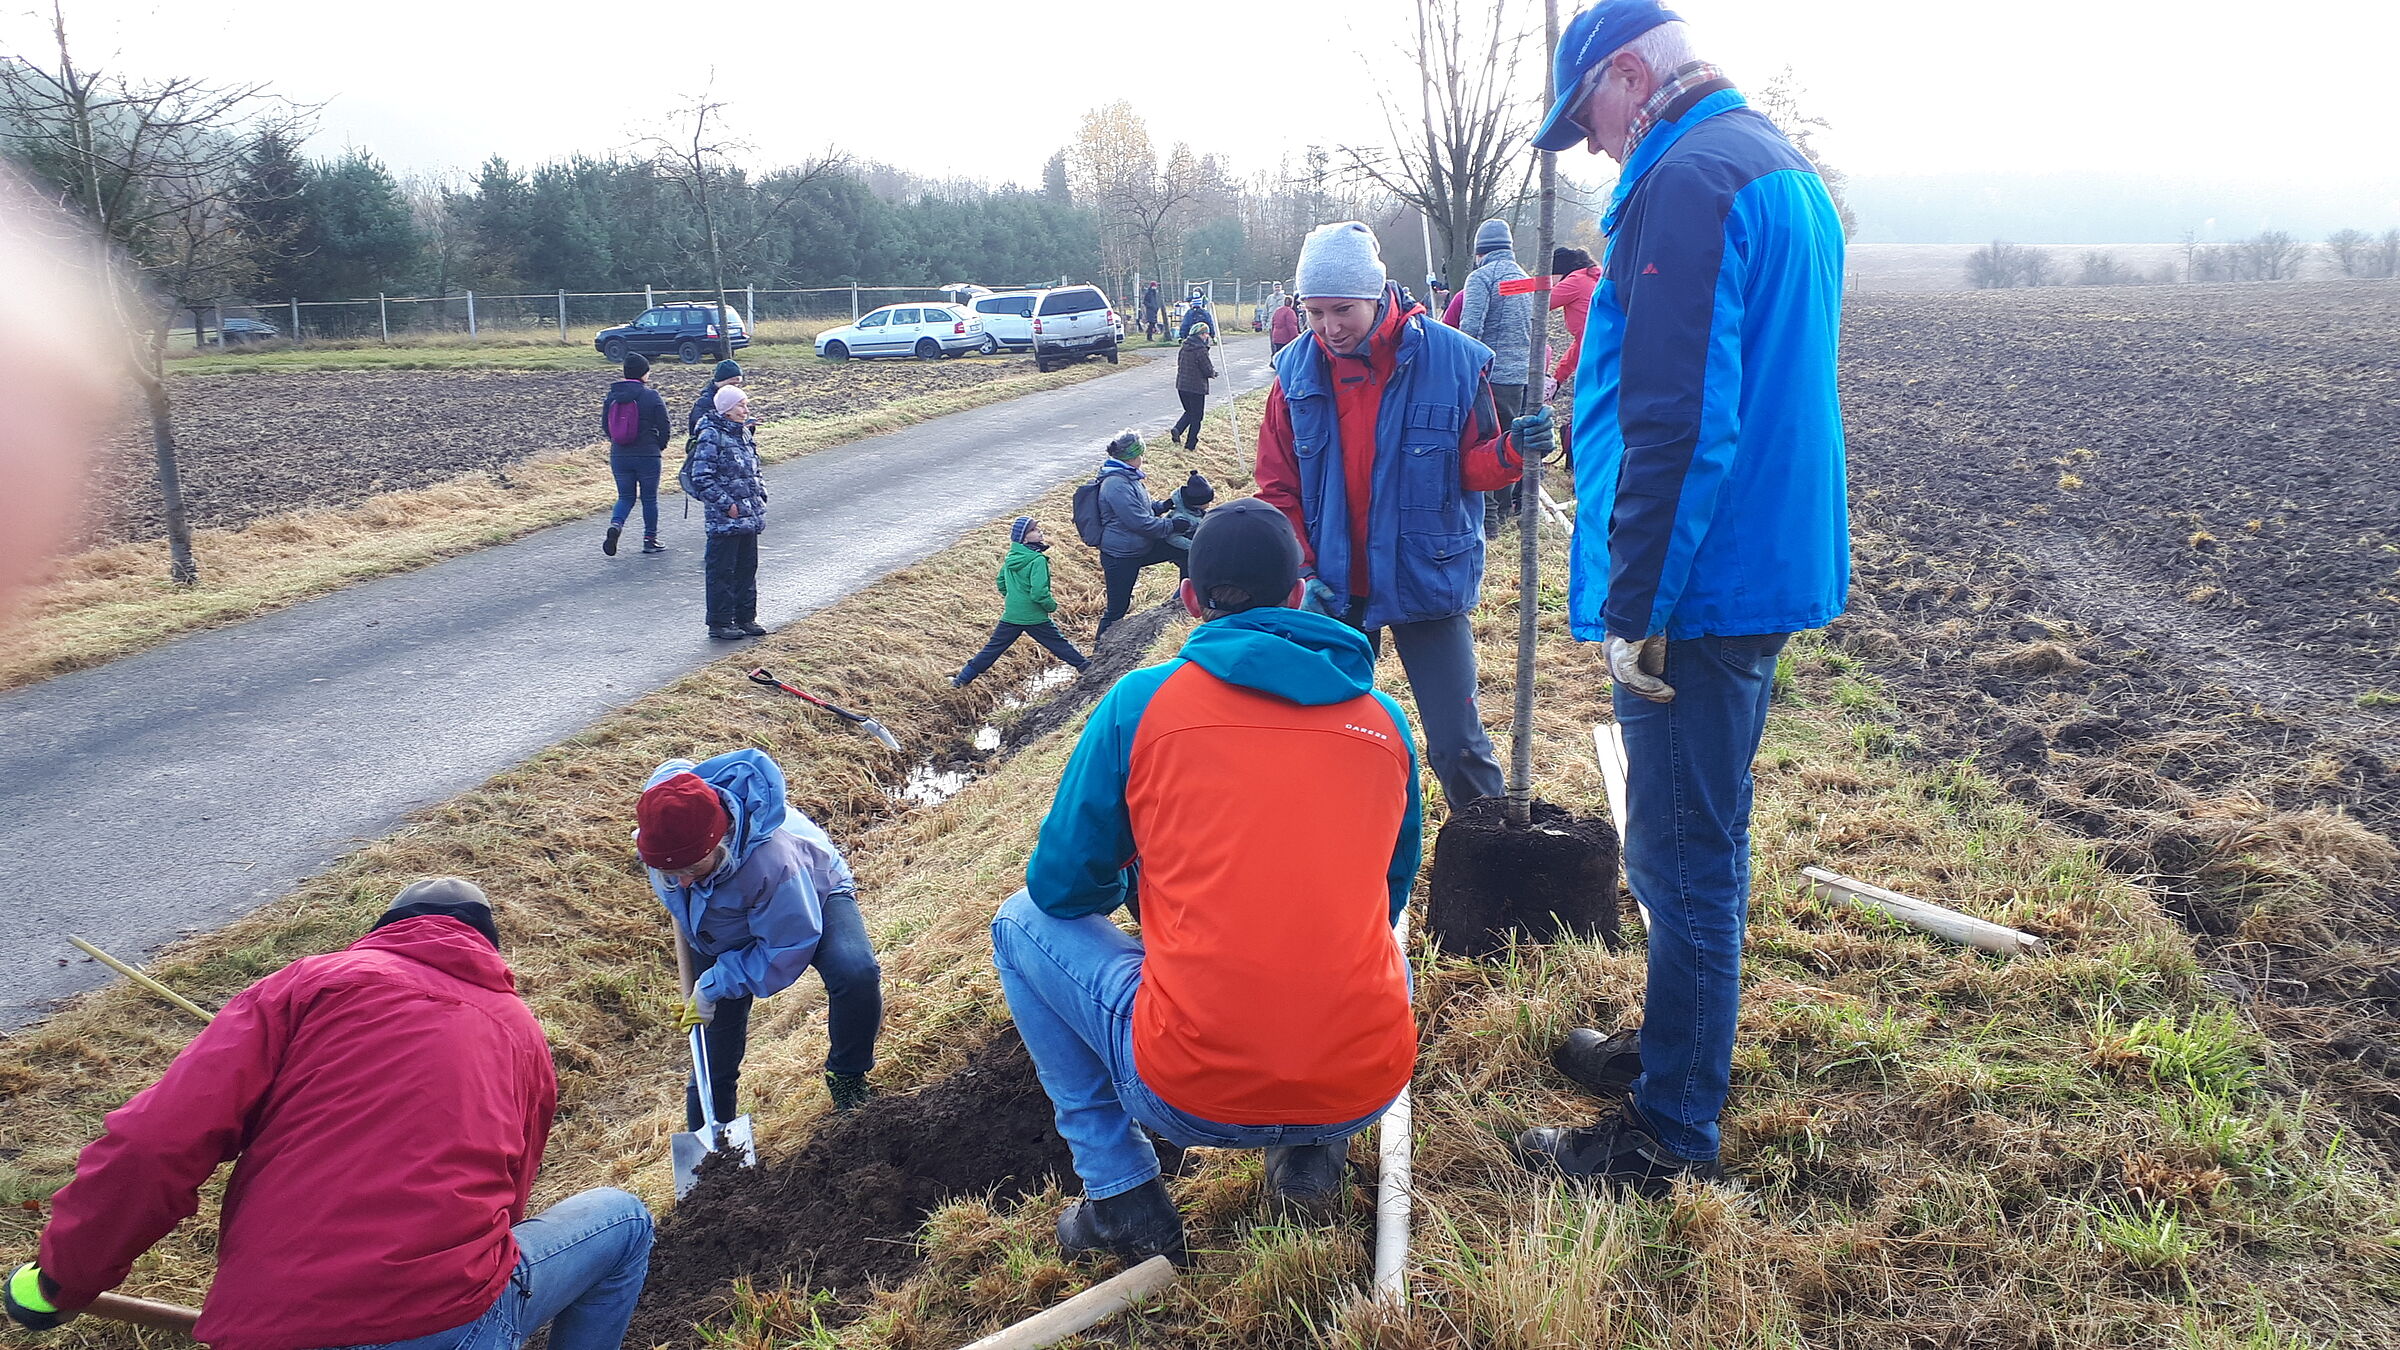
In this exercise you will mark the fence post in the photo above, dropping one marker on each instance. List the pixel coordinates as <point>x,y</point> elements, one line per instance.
<point>562,317</point>
<point>220,325</point>
<point>649,301</point>
<point>295,318</point>
<point>471,316</point>
<point>749,310</point>
<point>383,313</point>
<point>854,302</point>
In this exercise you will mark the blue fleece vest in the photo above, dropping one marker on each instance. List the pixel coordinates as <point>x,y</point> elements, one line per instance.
<point>1424,531</point>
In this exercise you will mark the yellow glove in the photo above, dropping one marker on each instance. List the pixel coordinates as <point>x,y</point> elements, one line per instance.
<point>698,1011</point>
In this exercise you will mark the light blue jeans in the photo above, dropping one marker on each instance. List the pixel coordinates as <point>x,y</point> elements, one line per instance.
<point>1070,986</point>
<point>1687,857</point>
<point>580,1267</point>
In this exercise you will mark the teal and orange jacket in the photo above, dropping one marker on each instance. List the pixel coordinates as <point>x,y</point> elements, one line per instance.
<point>1264,792</point>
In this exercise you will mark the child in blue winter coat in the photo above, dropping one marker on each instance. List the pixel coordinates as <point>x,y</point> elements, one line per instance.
<point>759,894</point>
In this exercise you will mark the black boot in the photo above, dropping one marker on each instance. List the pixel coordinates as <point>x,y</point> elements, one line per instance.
<point>1602,1065</point>
<point>848,1090</point>
<point>1310,1181</point>
<point>609,544</point>
<point>1132,1227</point>
<point>1619,1151</point>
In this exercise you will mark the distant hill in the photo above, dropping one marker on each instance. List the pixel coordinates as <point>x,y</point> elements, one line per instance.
<point>2092,208</point>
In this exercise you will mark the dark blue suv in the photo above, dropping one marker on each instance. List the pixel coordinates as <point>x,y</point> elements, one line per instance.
<point>687,329</point>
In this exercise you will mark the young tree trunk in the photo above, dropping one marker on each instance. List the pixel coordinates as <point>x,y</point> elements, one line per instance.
<point>1529,519</point>
<point>181,568</point>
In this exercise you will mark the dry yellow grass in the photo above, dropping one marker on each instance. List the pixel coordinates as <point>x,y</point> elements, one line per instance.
<point>111,602</point>
<point>1939,1148</point>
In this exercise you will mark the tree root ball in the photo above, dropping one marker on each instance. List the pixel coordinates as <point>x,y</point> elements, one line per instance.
<point>1554,877</point>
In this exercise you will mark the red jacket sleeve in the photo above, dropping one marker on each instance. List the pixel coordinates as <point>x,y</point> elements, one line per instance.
<point>143,1175</point>
<point>1487,460</point>
<point>540,1107</point>
<point>1279,470</point>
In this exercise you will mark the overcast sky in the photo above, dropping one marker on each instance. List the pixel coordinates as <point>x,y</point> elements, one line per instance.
<point>988,88</point>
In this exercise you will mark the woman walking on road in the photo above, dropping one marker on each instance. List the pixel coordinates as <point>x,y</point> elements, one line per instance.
<point>725,478</point>
<point>635,418</point>
<point>1193,373</point>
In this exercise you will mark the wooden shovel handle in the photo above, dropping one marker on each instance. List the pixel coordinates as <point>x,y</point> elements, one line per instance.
<point>684,961</point>
<point>143,1312</point>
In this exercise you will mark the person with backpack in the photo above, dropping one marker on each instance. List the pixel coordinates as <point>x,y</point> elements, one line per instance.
<point>635,418</point>
<point>1194,372</point>
<point>1025,588</point>
<point>727,372</point>
<point>1115,515</point>
<point>1284,329</point>
<point>723,474</point>
<point>1195,313</point>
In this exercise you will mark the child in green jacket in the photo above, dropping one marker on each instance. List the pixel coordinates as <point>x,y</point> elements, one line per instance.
<point>1025,585</point>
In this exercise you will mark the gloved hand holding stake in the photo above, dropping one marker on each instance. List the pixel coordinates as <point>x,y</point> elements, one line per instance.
<point>1321,598</point>
<point>1535,435</point>
<point>31,1299</point>
<point>698,1011</point>
<point>1638,666</point>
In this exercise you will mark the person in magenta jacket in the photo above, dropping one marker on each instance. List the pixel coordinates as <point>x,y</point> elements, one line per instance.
<point>384,1108</point>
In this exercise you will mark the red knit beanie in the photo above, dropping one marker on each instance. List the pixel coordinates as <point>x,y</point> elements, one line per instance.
<point>679,820</point>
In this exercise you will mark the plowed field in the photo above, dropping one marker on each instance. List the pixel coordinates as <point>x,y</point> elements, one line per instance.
<point>2135,552</point>
<point>255,444</point>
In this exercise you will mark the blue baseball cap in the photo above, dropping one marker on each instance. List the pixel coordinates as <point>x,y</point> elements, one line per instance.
<point>1591,38</point>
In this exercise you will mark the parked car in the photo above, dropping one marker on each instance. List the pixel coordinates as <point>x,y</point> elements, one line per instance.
<point>1072,323</point>
<point>925,331</point>
<point>686,328</point>
<point>1007,320</point>
<point>235,332</point>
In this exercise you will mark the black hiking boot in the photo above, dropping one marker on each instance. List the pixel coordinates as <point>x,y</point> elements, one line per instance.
<point>653,546</point>
<point>726,632</point>
<point>1602,1065</point>
<point>1132,1227</point>
<point>609,545</point>
<point>1309,1182</point>
<point>751,627</point>
<point>848,1090</point>
<point>1618,1151</point>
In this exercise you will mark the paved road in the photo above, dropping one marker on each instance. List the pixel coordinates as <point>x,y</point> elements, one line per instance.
<point>175,790</point>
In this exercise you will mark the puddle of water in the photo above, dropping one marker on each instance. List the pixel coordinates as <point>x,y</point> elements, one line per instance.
<point>933,782</point>
<point>1049,680</point>
<point>930,784</point>
<point>988,739</point>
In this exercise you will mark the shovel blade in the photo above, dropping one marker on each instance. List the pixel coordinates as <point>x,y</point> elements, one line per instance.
<point>876,729</point>
<point>690,1149</point>
<point>742,1141</point>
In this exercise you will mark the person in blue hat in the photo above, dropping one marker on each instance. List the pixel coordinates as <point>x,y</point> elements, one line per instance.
<point>1709,465</point>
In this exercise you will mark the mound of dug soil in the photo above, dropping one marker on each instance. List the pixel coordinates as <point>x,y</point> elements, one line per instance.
<point>1128,643</point>
<point>1556,877</point>
<point>838,1214</point>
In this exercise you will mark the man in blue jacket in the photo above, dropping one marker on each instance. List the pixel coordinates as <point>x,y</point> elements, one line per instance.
<point>760,894</point>
<point>1713,484</point>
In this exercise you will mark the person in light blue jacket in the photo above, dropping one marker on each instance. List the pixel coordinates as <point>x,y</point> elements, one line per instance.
<point>760,894</point>
<point>1709,472</point>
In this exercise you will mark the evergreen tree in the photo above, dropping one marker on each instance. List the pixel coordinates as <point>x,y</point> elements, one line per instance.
<point>499,227</point>
<point>360,234</point>
<point>269,198</point>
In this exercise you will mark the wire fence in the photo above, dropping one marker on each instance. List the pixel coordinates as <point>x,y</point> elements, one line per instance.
<point>573,317</point>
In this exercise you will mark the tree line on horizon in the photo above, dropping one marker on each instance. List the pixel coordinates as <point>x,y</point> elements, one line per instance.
<point>2269,255</point>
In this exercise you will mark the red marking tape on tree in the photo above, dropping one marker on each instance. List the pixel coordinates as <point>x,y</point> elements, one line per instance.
<point>1524,285</point>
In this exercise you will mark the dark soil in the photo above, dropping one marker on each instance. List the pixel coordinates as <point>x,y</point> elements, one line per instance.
<point>1129,642</point>
<point>2129,657</point>
<point>840,1214</point>
<point>1491,878</point>
<point>253,445</point>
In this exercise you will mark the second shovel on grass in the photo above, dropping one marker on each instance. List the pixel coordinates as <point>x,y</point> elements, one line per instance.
<point>692,1147</point>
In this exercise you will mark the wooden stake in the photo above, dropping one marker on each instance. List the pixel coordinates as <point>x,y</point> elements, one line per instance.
<point>143,980</point>
<point>1084,1311</point>
<point>1608,742</point>
<point>143,1312</point>
<point>1925,916</point>
<point>1395,1149</point>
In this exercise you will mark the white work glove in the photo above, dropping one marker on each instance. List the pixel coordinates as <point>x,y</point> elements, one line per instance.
<point>1638,666</point>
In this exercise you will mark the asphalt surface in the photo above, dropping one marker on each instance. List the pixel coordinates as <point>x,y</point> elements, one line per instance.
<point>172,791</point>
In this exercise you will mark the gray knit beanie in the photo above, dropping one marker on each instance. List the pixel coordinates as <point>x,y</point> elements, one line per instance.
<point>1340,262</point>
<point>1492,234</point>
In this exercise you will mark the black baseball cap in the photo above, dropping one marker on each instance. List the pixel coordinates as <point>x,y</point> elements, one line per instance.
<point>1244,556</point>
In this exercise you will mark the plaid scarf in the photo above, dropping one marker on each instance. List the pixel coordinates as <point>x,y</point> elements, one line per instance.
<point>1675,86</point>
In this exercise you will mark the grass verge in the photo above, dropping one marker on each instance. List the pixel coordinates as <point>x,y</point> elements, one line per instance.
<point>2091,1148</point>
<point>111,602</point>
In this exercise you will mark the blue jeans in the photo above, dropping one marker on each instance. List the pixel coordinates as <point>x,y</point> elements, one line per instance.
<point>580,1267</point>
<point>635,470</point>
<point>845,960</point>
<point>1070,986</point>
<point>1005,635</point>
<point>1687,857</point>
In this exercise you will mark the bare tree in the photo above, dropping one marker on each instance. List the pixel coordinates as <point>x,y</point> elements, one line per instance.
<point>153,166</point>
<point>2349,250</point>
<point>2190,247</point>
<point>433,202</point>
<point>702,160</point>
<point>2272,255</point>
<point>2101,268</point>
<point>1458,164</point>
<point>1113,168</point>
<point>1780,103</point>
<point>2385,259</point>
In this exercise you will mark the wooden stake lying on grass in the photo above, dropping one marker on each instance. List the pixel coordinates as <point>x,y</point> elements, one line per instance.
<point>1608,742</point>
<point>1084,1311</point>
<point>1925,916</point>
<point>143,980</point>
